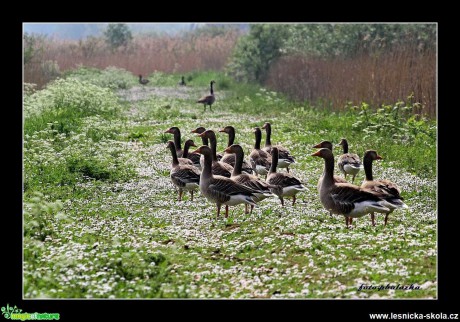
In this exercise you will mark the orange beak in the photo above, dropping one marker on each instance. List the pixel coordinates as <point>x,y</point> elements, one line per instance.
<point>379,157</point>
<point>222,130</point>
<point>316,154</point>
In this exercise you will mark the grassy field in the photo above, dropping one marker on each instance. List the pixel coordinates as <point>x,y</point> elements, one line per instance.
<point>102,220</point>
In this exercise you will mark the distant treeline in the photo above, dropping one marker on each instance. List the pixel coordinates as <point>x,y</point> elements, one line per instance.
<point>335,64</point>
<point>341,64</point>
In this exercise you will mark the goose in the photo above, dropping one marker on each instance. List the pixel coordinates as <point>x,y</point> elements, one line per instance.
<point>248,180</point>
<point>337,179</point>
<point>193,157</point>
<point>260,160</point>
<point>176,132</point>
<point>205,141</point>
<point>349,163</point>
<point>385,189</point>
<point>222,190</point>
<point>184,161</point>
<point>143,81</point>
<point>218,167</point>
<point>285,157</point>
<point>183,176</point>
<point>286,184</point>
<point>346,199</point>
<point>208,99</point>
<point>230,157</point>
<point>182,82</point>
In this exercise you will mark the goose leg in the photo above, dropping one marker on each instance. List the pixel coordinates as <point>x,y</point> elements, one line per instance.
<point>180,195</point>
<point>287,169</point>
<point>191,193</point>
<point>246,208</point>
<point>351,220</point>
<point>282,201</point>
<point>346,222</point>
<point>226,211</point>
<point>218,211</point>
<point>373,219</point>
<point>386,219</point>
<point>293,200</point>
<point>205,107</point>
<point>252,207</point>
<point>210,108</point>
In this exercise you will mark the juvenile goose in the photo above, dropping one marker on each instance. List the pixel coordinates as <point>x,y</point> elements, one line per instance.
<point>176,132</point>
<point>230,157</point>
<point>285,157</point>
<point>286,184</point>
<point>208,99</point>
<point>205,141</point>
<point>346,199</point>
<point>385,189</point>
<point>218,167</point>
<point>182,82</point>
<point>248,180</point>
<point>260,160</point>
<point>221,190</point>
<point>337,179</point>
<point>183,176</point>
<point>193,157</point>
<point>143,81</point>
<point>349,163</point>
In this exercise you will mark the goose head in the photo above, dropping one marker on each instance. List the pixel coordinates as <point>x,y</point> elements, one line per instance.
<point>323,144</point>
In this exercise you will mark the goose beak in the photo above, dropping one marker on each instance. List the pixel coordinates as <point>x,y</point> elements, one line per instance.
<point>168,131</point>
<point>198,151</point>
<point>193,131</point>
<point>222,130</point>
<point>202,135</point>
<point>193,144</point>
<point>379,157</point>
<point>228,150</point>
<point>316,154</point>
<point>318,146</point>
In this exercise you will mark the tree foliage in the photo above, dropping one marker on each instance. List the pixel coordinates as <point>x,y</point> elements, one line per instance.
<point>117,35</point>
<point>266,42</point>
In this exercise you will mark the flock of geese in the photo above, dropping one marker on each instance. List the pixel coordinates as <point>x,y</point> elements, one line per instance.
<point>230,180</point>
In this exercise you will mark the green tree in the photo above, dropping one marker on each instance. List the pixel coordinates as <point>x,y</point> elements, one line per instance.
<point>117,35</point>
<point>255,52</point>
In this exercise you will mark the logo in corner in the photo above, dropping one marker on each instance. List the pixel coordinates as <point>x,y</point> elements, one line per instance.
<point>15,313</point>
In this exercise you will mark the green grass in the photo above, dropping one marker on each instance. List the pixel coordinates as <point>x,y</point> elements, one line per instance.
<point>101,218</point>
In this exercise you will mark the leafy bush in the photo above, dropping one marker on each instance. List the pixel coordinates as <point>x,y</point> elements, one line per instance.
<point>80,96</point>
<point>401,122</point>
<point>111,77</point>
<point>39,215</point>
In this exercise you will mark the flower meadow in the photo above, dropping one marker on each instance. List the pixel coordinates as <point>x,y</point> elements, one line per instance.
<point>101,217</point>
